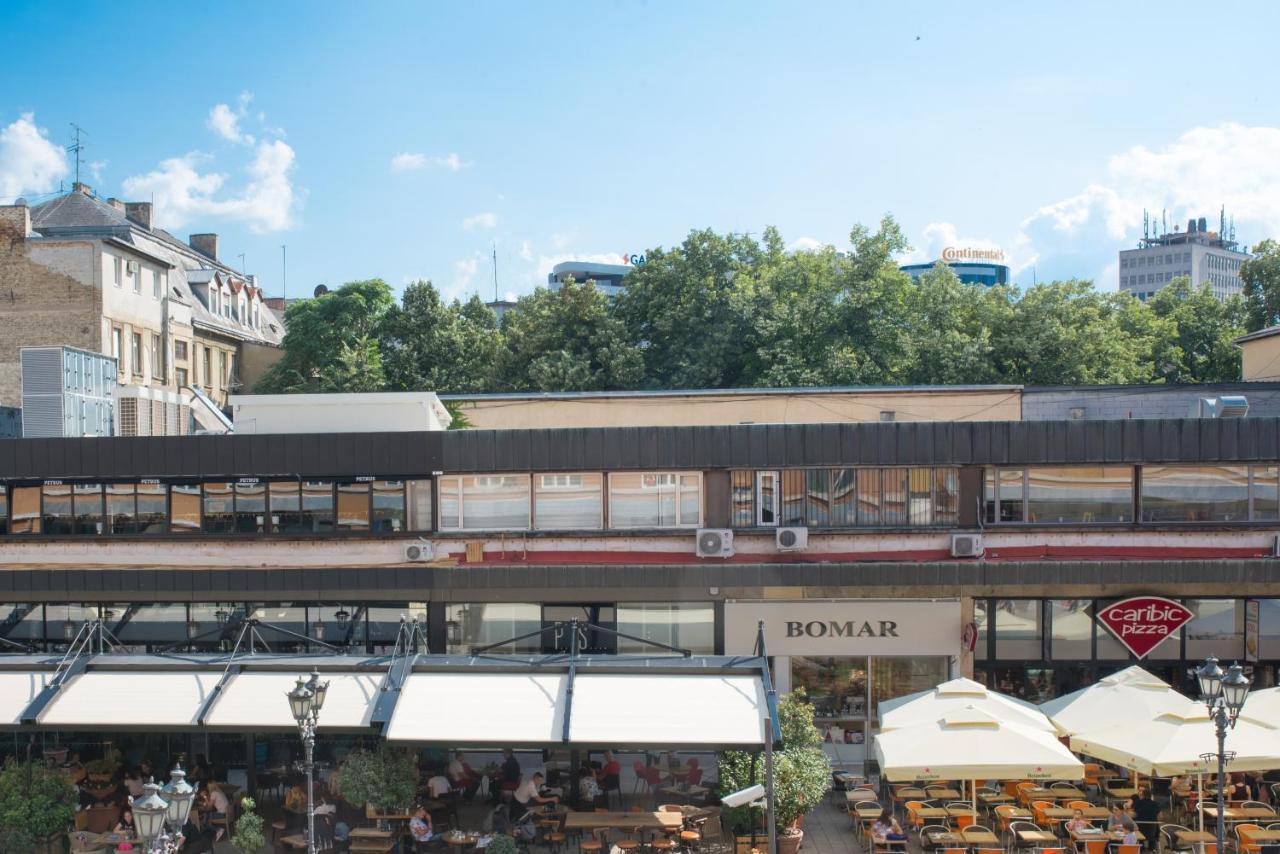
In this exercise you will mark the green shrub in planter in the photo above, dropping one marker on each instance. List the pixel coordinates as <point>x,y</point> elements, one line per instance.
<point>248,838</point>
<point>36,805</point>
<point>501,844</point>
<point>801,771</point>
<point>386,778</point>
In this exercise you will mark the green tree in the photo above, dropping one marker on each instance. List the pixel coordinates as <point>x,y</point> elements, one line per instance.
<point>430,345</point>
<point>1195,345</point>
<point>331,342</point>
<point>802,772</point>
<point>1261,277</point>
<point>248,838</point>
<point>386,778</point>
<point>36,803</point>
<point>567,340</point>
<point>1066,333</point>
<point>952,329</point>
<point>682,308</point>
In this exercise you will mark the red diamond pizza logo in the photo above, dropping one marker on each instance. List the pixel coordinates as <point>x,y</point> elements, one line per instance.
<point>1142,622</point>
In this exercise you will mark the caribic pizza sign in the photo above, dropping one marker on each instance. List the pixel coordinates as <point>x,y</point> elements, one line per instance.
<point>1142,622</point>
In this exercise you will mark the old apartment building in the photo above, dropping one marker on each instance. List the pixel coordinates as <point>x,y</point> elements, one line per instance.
<point>97,274</point>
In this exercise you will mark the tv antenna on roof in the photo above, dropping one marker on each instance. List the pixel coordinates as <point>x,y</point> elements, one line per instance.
<point>77,147</point>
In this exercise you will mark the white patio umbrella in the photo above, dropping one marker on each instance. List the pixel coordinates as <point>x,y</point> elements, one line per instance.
<point>1173,742</point>
<point>1131,694</point>
<point>1262,705</point>
<point>968,743</point>
<point>936,703</point>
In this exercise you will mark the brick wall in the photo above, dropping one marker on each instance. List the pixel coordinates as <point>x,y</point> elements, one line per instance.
<point>41,306</point>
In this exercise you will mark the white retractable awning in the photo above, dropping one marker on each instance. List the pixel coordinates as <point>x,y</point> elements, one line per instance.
<point>604,710</point>
<point>478,709</point>
<point>17,690</point>
<point>653,710</point>
<point>107,699</point>
<point>256,700</point>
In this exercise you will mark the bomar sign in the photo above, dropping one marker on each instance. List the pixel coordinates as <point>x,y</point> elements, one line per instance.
<point>845,627</point>
<point>1142,622</point>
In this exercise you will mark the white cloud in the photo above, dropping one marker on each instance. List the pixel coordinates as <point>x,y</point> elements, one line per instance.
<point>938,236</point>
<point>29,162</point>
<point>95,169</point>
<point>225,122</point>
<point>806,244</point>
<point>526,250</point>
<point>183,194</point>
<point>486,219</point>
<point>412,161</point>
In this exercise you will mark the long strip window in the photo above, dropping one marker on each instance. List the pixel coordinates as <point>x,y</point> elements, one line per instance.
<point>846,497</point>
<point>1059,494</point>
<point>655,500</point>
<point>1208,493</point>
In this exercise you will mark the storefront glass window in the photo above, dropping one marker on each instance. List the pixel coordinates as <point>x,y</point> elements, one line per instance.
<point>1011,495</point>
<point>983,621</point>
<point>22,622</point>
<point>121,508</point>
<point>1071,629</point>
<point>817,488</point>
<point>4,510</point>
<point>568,502</point>
<point>1266,505</point>
<point>317,506</point>
<point>140,625</point>
<point>251,507</point>
<point>88,507</point>
<point>58,517</point>
<point>1018,632</point>
<point>219,509</point>
<point>184,510</point>
<point>896,677</point>
<point>286,615</point>
<point>286,506</point>
<point>1080,494</point>
<point>837,687</point>
<point>493,502</point>
<point>26,510</point>
<point>688,626</point>
<point>1269,628</point>
<point>420,518</point>
<point>1195,493</point>
<point>481,623</point>
<point>388,506</point>
<point>382,621</point>
<point>1033,684</point>
<point>153,508</point>
<point>650,500</point>
<point>353,506</point>
<point>1217,629</point>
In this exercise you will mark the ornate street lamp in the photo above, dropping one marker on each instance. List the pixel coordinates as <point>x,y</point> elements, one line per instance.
<point>305,702</point>
<point>158,808</point>
<point>179,794</point>
<point>1224,696</point>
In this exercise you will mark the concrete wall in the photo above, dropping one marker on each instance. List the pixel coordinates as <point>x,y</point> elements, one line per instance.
<point>672,410</point>
<point>1107,403</point>
<point>1261,360</point>
<point>338,413</point>
<point>255,361</point>
<point>50,297</point>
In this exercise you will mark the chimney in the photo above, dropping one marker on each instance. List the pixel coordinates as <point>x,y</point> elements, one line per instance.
<point>205,244</point>
<point>77,187</point>
<point>16,218</point>
<point>139,212</point>
<point>117,204</point>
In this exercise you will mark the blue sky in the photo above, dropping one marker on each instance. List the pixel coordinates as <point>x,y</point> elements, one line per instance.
<point>404,140</point>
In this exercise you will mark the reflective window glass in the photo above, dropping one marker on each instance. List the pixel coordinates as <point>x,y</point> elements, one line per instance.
<point>286,506</point>
<point>869,498</point>
<point>493,502</point>
<point>920,497</point>
<point>568,502</point>
<point>793,486</point>
<point>1266,508</point>
<point>1011,495</point>
<point>420,516</point>
<point>817,494</point>
<point>26,510</point>
<point>654,500</point>
<point>388,514</point>
<point>895,497</point>
<point>844,497</point>
<point>893,677</point>
<point>153,508</point>
<point>742,498</point>
<point>946,507</point>
<point>184,509</point>
<point>1195,493</point>
<point>353,506</point>
<point>1018,628</point>
<point>121,509</point>
<point>251,507</point>
<point>4,510</point>
<point>58,517</point>
<point>1217,629</point>
<point>88,507</point>
<point>1080,494</point>
<point>982,620</point>
<point>687,625</point>
<point>480,623</point>
<point>690,508</point>
<point>219,508</point>
<point>317,506</point>
<point>1071,629</point>
<point>152,624</point>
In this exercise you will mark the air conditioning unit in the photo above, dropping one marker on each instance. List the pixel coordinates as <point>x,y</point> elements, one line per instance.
<point>791,539</point>
<point>966,545</point>
<point>714,542</point>
<point>132,266</point>
<point>420,551</point>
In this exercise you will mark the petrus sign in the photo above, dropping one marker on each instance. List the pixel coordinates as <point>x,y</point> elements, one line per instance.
<point>1141,623</point>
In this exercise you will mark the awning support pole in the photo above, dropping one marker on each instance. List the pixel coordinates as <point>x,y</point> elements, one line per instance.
<point>568,688</point>
<point>770,819</point>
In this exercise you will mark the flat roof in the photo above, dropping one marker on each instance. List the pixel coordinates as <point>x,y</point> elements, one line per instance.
<point>732,392</point>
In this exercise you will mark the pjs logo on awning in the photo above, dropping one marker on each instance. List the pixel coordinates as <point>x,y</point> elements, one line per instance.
<point>1142,622</point>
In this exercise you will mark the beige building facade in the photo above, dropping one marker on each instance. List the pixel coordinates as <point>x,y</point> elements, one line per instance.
<point>1260,355</point>
<point>738,406</point>
<point>95,274</point>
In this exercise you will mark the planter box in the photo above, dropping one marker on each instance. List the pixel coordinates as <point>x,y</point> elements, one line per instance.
<point>744,843</point>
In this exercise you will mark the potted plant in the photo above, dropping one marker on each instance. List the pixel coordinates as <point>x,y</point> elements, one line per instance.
<point>37,805</point>
<point>502,844</point>
<point>385,779</point>
<point>801,775</point>
<point>100,771</point>
<point>248,838</point>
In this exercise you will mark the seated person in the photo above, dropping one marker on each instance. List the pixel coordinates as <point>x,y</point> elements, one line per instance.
<point>1077,822</point>
<point>529,793</point>
<point>420,827</point>
<point>462,776</point>
<point>611,768</point>
<point>125,824</point>
<point>295,800</point>
<point>887,829</point>
<point>218,806</point>
<point>1121,822</point>
<point>588,788</point>
<point>438,785</point>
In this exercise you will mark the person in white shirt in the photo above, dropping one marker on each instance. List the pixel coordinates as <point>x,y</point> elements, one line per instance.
<point>438,786</point>
<point>529,793</point>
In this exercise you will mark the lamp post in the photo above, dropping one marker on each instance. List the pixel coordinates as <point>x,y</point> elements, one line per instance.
<point>159,807</point>
<point>1223,696</point>
<point>305,702</point>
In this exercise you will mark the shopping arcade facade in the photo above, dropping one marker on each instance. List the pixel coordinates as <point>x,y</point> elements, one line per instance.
<point>909,487</point>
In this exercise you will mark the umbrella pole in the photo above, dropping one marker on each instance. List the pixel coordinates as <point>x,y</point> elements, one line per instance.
<point>973,791</point>
<point>1200,797</point>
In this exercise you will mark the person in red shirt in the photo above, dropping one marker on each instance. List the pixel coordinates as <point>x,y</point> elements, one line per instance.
<point>612,767</point>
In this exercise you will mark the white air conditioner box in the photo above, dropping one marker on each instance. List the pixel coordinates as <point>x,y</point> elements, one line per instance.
<point>966,545</point>
<point>791,539</point>
<point>714,542</point>
<point>420,551</point>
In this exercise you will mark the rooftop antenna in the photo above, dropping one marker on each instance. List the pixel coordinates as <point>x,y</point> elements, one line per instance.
<point>241,262</point>
<point>495,271</point>
<point>1164,224</point>
<point>77,147</point>
<point>284,271</point>
<point>1222,223</point>
<point>1146,229</point>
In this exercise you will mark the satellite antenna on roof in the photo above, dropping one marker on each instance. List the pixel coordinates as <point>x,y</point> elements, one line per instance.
<point>77,147</point>
<point>495,271</point>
